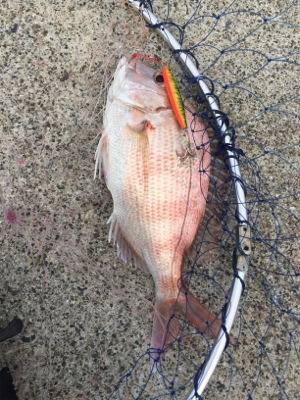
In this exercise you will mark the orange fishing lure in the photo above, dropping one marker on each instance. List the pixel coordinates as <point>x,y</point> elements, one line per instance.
<point>174,96</point>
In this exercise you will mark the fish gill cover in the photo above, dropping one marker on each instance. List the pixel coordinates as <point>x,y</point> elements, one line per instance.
<point>90,315</point>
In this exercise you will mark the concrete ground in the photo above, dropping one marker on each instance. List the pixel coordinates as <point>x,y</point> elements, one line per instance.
<point>87,315</point>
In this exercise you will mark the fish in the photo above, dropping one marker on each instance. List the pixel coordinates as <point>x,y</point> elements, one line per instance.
<point>158,176</point>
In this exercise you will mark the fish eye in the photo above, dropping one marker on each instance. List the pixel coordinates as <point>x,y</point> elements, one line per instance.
<point>158,78</point>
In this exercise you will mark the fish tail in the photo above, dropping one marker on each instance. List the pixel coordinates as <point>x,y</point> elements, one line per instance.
<point>165,323</point>
<point>198,315</point>
<point>165,330</point>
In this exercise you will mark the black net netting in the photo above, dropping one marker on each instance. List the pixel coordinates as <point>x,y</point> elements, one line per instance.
<point>87,315</point>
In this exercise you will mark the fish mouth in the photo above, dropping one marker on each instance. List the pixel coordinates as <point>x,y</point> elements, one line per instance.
<point>134,86</point>
<point>148,110</point>
<point>144,109</point>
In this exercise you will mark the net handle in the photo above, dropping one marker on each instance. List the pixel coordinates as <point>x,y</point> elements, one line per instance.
<point>243,236</point>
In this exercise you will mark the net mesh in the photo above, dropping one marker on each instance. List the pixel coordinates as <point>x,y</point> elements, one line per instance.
<point>88,314</point>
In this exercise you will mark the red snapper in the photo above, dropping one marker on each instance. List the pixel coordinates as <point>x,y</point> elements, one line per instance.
<point>159,184</point>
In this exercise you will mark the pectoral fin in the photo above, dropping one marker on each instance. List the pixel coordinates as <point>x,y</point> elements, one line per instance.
<point>143,126</point>
<point>101,157</point>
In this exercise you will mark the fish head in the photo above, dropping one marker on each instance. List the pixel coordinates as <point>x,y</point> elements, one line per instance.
<point>140,86</point>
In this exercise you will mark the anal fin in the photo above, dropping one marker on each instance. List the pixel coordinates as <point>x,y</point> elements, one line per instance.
<point>127,254</point>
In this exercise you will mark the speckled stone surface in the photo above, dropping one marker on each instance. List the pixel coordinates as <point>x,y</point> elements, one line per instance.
<point>88,314</point>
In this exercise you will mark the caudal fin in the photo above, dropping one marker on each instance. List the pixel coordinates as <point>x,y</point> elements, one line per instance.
<point>198,315</point>
<point>165,330</point>
<point>166,327</point>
